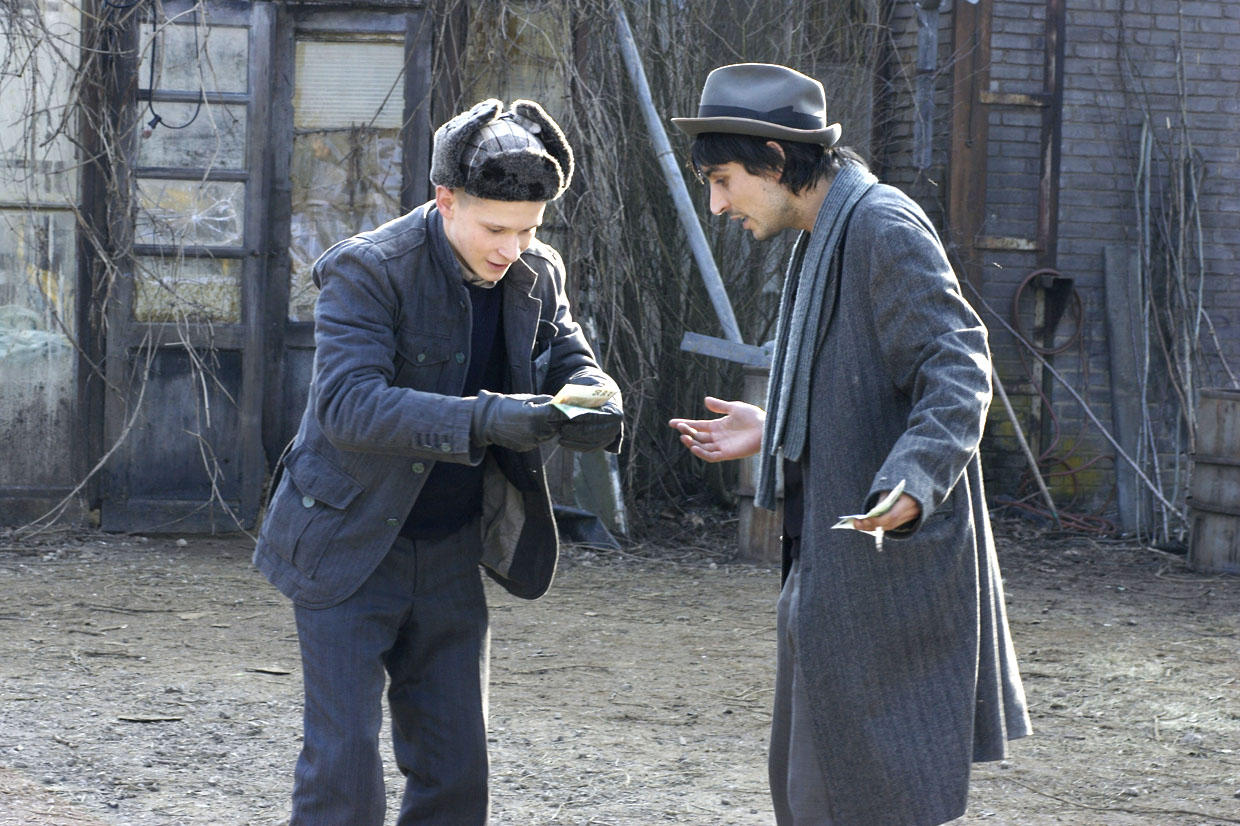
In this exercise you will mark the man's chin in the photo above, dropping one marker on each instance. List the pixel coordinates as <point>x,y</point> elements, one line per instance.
<point>490,273</point>
<point>487,277</point>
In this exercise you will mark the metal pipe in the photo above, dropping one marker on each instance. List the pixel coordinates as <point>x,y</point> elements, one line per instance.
<point>675,182</point>
<point>1024,445</point>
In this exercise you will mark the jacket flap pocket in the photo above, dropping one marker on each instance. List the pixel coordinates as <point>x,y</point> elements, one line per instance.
<point>422,351</point>
<point>320,479</point>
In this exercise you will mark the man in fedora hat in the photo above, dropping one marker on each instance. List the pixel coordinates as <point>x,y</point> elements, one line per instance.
<point>439,336</point>
<point>895,666</point>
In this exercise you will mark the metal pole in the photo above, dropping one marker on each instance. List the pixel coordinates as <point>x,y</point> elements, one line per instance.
<point>1024,446</point>
<point>675,182</point>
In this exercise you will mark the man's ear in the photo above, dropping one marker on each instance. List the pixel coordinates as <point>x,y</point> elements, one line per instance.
<point>445,200</point>
<point>779,150</point>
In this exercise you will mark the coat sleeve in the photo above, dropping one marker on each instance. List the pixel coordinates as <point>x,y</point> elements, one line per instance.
<point>355,321</point>
<point>572,361</point>
<point>935,349</point>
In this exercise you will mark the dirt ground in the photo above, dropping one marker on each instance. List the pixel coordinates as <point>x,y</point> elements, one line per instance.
<point>151,680</point>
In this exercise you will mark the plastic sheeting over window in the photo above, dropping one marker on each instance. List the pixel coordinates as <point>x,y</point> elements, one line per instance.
<point>38,268</point>
<point>38,263</point>
<point>346,167</point>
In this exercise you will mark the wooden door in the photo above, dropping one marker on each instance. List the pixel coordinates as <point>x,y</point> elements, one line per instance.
<point>185,337</point>
<point>352,131</point>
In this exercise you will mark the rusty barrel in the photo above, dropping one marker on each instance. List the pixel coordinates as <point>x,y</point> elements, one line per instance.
<point>1214,493</point>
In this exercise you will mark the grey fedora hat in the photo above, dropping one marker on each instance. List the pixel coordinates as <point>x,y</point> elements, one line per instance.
<point>764,100</point>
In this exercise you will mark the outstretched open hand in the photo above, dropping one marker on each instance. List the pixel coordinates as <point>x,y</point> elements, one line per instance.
<point>736,435</point>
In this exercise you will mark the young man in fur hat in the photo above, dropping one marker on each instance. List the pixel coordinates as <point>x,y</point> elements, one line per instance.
<point>895,667</point>
<point>438,338</point>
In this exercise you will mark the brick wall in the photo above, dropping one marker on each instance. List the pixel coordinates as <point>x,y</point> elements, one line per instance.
<point>1119,65</point>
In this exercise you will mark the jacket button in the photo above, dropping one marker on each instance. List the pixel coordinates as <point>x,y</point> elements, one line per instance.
<point>421,357</point>
<point>307,501</point>
<point>445,447</point>
<point>418,467</point>
<point>460,358</point>
<point>392,521</point>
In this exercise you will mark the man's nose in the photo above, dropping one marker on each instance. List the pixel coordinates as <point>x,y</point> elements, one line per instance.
<point>718,204</point>
<point>510,248</point>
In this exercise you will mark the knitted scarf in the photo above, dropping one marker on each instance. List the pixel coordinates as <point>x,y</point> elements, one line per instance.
<point>800,327</point>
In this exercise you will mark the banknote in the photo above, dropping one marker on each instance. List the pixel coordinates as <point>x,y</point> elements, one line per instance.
<point>884,505</point>
<point>575,399</point>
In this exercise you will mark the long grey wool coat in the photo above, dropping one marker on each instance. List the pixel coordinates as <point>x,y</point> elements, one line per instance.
<point>906,652</point>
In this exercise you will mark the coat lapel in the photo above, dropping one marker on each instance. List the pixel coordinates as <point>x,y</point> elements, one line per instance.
<point>521,311</point>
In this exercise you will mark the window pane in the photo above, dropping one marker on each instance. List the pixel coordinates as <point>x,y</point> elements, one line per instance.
<point>345,84</point>
<point>38,270</point>
<point>346,170</point>
<point>343,183</point>
<point>209,213</point>
<point>192,58</point>
<point>194,289</point>
<point>36,127</point>
<point>213,139</point>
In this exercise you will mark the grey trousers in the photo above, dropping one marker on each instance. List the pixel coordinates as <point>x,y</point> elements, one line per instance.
<point>420,620</point>
<point>797,790</point>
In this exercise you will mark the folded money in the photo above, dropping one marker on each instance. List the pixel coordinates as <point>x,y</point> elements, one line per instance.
<point>576,399</point>
<point>887,502</point>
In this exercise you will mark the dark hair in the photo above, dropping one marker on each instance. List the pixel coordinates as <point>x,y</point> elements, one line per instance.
<point>802,164</point>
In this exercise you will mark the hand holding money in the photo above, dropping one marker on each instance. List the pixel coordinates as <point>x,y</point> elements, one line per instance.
<point>594,422</point>
<point>872,521</point>
<point>576,399</point>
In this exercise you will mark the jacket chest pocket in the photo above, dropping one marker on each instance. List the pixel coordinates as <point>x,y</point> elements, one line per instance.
<point>421,362</point>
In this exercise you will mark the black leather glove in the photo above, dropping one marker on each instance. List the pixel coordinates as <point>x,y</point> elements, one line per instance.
<point>518,421</point>
<point>594,430</point>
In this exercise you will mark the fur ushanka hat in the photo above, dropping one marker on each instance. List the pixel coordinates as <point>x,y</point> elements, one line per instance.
<point>518,155</point>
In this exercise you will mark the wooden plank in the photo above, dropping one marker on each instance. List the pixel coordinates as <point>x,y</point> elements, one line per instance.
<point>124,377</point>
<point>415,134</point>
<point>927,65</point>
<point>1010,99</point>
<point>747,354</point>
<point>279,233</point>
<point>192,173</point>
<point>186,516</point>
<point>1214,546</point>
<point>21,506</point>
<point>222,12</point>
<point>141,335</point>
<point>183,96</point>
<point>89,427</point>
<point>998,242</point>
<point>1122,307</point>
<point>966,187</point>
<point>190,251</point>
<point>251,463</point>
<point>1051,135</point>
<point>318,21</point>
